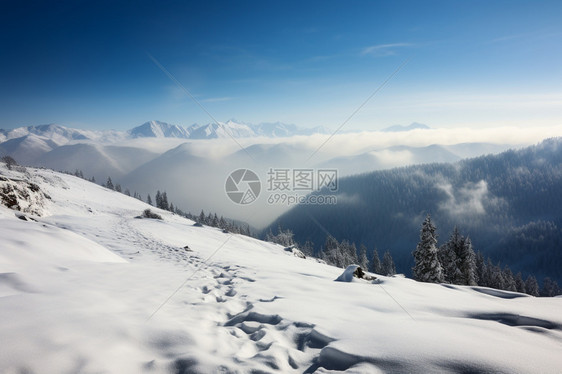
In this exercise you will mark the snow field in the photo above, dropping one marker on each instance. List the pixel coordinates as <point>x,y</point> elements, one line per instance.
<point>90,288</point>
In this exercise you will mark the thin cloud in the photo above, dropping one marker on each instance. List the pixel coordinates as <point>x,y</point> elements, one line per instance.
<point>528,36</point>
<point>216,99</point>
<point>384,49</point>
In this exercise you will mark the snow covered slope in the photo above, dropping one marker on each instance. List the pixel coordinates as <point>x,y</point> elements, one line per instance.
<point>88,288</point>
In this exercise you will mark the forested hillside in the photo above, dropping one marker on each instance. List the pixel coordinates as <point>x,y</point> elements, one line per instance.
<point>510,205</point>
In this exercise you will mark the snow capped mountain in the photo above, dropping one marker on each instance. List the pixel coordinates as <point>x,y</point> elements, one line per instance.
<point>85,283</point>
<point>400,128</point>
<point>58,134</point>
<point>221,130</point>
<point>157,129</point>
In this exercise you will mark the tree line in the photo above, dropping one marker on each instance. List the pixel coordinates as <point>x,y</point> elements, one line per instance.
<point>335,253</point>
<point>161,202</point>
<point>455,262</point>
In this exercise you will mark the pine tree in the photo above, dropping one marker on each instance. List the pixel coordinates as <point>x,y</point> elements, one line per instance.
<point>375,265</point>
<point>467,264</point>
<point>118,187</point>
<point>363,260</point>
<point>496,277</point>
<point>448,256</point>
<point>532,286</point>
<point>223,225</point>
<point>549,288</point>
<point>308,248</point>
<point>109,184</point>
<point>481,272</point>
<point>348,254</point>
<point>388,267</point>
<point>158,199</point>
<point>148,199</point>
<point>202,218</point>
<point>520,283</point>
<point>427,267</point>
<point>332,252</point>
<point>165,205</point>
<point>508,279</point>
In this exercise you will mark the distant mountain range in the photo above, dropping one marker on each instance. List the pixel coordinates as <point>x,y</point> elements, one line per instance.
<point>157,129</point>
<point>413,126</point>
<point>160,156</point>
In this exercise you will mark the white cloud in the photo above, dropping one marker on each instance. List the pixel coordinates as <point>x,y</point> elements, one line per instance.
<point>383,49</point>
<point>471,200</point>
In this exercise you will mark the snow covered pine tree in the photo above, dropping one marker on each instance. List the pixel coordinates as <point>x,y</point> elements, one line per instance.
<point>427,267</point>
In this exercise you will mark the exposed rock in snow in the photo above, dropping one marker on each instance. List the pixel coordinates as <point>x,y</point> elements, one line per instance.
<point>22,196</point>
<point>354,271</point>
<point>295,251</point>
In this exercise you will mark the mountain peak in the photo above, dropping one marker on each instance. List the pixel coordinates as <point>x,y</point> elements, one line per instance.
<point>412,126</point>
<point>158,129</point>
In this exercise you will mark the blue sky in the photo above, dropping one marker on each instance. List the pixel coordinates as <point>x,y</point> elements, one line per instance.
<point>475,63</point>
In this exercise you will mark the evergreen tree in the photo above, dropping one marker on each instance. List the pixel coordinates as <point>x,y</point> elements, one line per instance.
<point>109,184</point>
<point>202,218</point>
<point>532,286</point>
<point>148,199</point>
<point>427,267</point>
<point>332,253</point>
<point>223,225</point>
<point>118,187</point>
<point>158,199</point>
<point>308,248</point>
<point>375,265</point>
<point>496,276</point>
<point>348,254</point>
<point>520,283</point>
<point>549,288</point>
<point>467,264</point>
<point>127,192</point>
<point>269,237</point>
<point>508,279</point>
<point>363,260</point>
<point>172,208</point>
<point>448,256</point>
<point>165,205</point>
<point>481,273</point>
<point>388,267</point>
